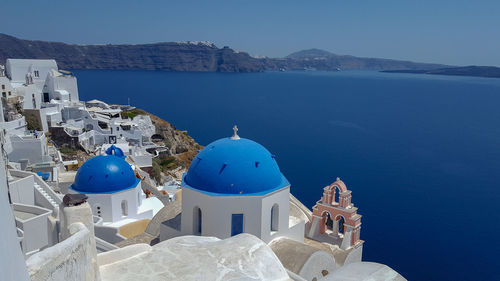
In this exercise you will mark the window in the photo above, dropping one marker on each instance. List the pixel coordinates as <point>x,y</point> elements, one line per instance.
<point>124,208</point>
<point>197,221</point>
<point>37,74</point>
<point>275,212</point>
<point>3,87</point>
<point>236,224</point>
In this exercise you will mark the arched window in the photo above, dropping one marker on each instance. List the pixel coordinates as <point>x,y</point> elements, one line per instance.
<point>124,208</point>
<point>197,221</point>
<point>340,223</point>
<point>337,194</point>
<point>275,216</point>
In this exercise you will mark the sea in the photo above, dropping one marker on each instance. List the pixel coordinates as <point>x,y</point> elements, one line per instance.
<point>421,153</point>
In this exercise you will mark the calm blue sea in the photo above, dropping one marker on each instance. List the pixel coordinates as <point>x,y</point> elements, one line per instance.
<point>420,153</point>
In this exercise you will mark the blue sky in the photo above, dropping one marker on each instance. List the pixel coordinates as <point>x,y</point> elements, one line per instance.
<point>454,32</point>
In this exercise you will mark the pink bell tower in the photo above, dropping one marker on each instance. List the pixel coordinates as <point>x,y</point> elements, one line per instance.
<point>335,222</point>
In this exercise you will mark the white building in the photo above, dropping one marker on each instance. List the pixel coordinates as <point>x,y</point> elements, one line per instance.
<point>60,86</point>
<point>27,148</point>
<point>18,70</point>
<point>115,193</point>
<point>41,88</point>
<point>234,185</point>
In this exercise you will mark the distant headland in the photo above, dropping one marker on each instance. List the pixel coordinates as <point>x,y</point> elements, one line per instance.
<point>478,71</point>
<point>189,56</point>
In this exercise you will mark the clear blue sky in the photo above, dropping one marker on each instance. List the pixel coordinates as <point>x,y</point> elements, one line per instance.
<point>444,31</point>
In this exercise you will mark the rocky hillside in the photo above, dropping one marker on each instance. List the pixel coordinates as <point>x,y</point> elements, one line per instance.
<point>182,147</point>
<point>171,56</point>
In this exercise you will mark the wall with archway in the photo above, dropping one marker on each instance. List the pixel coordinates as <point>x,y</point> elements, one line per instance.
<point>218,210</point>
<point>111,205</point>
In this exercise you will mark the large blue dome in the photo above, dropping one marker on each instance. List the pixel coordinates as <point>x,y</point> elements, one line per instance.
<point>234,167</point>
<point>104,174</point>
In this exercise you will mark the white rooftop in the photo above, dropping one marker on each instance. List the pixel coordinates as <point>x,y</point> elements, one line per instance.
<point>241,257</point>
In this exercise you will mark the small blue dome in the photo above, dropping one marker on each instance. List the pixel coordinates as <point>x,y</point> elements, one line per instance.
<point>116,151</point>
<point>234,167</point>
<point>104,174</point>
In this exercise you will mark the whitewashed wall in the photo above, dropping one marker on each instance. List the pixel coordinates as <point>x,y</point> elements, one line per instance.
<point>217,214</point>
<point>12,265</point>
<point>72,259</point>
<point>16,69</point>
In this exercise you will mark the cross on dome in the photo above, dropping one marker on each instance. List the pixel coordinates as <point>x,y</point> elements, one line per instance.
<point>235,135</point>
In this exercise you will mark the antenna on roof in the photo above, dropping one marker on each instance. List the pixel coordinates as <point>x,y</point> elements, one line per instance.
<point>235,136</point>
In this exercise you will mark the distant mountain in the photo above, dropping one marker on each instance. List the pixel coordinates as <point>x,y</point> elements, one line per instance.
<point>311,54</point>
<point>324,60</point>
<point>188,56</point>
<point>478,71</point>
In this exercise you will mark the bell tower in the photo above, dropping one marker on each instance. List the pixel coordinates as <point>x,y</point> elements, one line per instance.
<point>335,222</point>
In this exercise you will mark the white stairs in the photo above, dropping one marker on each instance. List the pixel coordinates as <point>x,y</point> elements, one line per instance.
<point>46,195</point>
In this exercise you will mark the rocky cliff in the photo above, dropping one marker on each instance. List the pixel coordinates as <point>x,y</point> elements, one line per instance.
<point>170,56</point>
<point>187,56</point>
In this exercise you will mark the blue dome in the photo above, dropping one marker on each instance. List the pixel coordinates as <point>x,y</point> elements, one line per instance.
<point>104,174</point>
<point>116,151</point>
<point>234,166</point>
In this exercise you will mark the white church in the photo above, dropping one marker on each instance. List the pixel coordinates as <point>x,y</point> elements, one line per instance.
<point>114,192</point>
<point>234,185</point>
